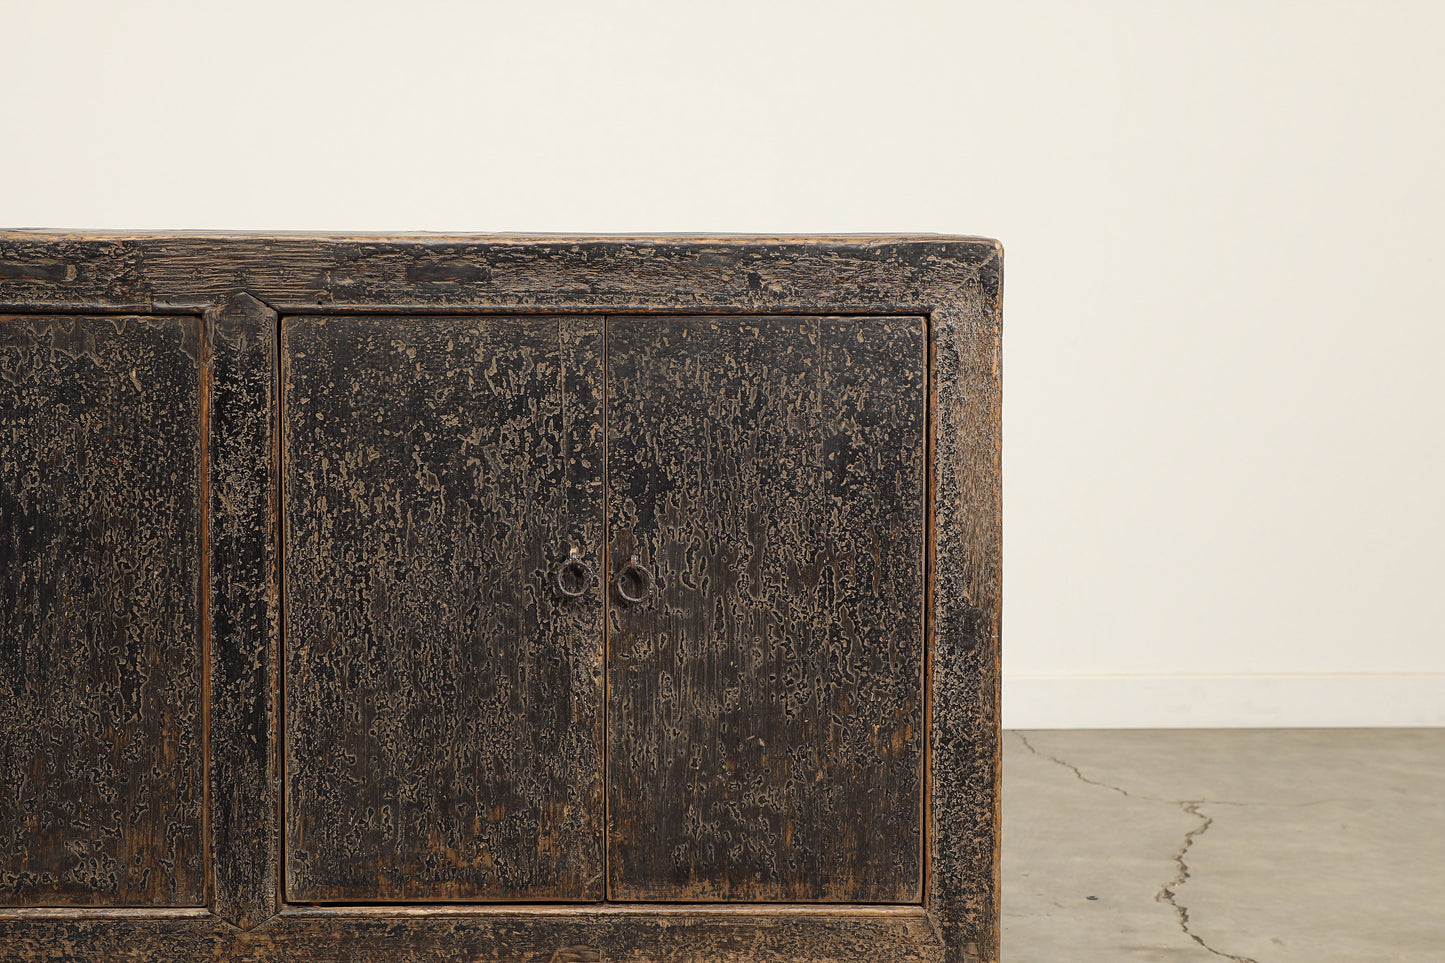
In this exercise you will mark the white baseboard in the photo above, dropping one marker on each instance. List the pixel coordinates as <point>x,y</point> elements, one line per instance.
<point>1222,701</point>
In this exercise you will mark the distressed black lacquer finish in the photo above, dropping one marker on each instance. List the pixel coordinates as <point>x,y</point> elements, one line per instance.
<point>902,315</point>
<point>245,610</point>
<point>443,698</point>
<point>766,701</point>
<point>101,778</point>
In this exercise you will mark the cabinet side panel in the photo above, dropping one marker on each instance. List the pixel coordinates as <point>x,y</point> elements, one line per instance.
<point>443,697</point>
<point>766,699</point>
<point>101,749</point>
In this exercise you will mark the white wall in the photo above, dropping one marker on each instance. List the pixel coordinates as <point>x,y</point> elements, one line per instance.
<point>1223,223</point>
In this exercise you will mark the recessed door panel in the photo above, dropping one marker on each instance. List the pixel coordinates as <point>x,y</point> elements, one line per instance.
<point>102,766</point>
<point>443,489</point>
<point>765,660</point>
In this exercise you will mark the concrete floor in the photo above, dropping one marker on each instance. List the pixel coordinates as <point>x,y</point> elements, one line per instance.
<point>1258,846</point>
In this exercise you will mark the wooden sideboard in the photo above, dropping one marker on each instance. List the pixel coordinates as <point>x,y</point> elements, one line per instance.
<point>499,598</point>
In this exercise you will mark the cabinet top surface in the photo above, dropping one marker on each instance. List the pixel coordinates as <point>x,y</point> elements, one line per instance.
<point>47,234</point>
<point>872,274</point>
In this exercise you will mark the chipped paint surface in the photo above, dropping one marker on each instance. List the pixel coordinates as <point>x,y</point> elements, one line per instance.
<point>100,650</point>
<point>765,705</point>
<point>243,538</point>
<point>443,699</point>
<point>680,936</point>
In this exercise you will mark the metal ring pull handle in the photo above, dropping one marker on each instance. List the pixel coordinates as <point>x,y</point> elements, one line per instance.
<point>574,577</point>
<point>634,582</point>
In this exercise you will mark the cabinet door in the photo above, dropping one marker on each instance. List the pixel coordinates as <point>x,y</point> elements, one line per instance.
<point>765,702</point>
<point>442,693</point>
<point>101,760</point>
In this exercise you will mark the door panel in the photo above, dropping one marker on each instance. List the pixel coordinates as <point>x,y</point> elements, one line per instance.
<point>765,707</point>
<point>443,697</point>
<point>102,762</point>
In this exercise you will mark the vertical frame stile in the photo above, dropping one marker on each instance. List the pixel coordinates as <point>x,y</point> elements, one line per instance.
<point>244,610</point>
<point>967,608</point>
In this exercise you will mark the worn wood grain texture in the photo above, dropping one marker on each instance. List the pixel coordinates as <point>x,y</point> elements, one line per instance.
<point>880,275</point>
<point>967,608</point>
<point>955,282</point>
<point>765,725</point>
<point>244,580</point>
<point>101,761</point>
<point>443,697</point>
<point>685,935</point>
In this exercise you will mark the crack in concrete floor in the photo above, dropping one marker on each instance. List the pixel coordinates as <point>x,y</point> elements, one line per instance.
<point>1072,768</point>
<point>1169,892</point>
<point>1257,846</point>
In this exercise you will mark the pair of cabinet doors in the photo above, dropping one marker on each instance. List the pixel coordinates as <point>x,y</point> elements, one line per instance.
<point>498,598</point>
<point>732,711</point>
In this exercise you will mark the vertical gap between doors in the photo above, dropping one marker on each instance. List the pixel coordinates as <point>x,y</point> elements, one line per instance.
<point>283,740</point>
<point>925,805</point>
<point>208,874</point>
<point>603,581</point>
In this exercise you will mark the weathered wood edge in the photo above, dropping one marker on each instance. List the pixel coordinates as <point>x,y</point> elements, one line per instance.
<point>244,611</point>
<point>160,273</point>
<point>954,280</point>
<point>967,608</point>
<point>503,238</point>
<point>375,937</point>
